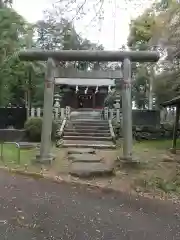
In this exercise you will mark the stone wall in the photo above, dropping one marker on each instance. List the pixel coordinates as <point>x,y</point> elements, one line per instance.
<point>12,116</point>
<point>146,118</point>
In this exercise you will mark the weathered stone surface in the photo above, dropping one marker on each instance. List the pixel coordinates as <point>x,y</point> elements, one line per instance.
<point>87,132</point>
<point>167,158</point>
<point>45,160</point>
<point>88,144</point>
<point>81,150</point>
<point>85,170</point>
<point>84,158</point>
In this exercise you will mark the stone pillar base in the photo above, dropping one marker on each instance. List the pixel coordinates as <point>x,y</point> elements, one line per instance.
<point>44,160</point>
<point>172,150</point>
<point>127,161</point>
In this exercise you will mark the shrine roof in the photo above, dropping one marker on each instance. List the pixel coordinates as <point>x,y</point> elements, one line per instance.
<point>84,82</point>
<point>174,101</point>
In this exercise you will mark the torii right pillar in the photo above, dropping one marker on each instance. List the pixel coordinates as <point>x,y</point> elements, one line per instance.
<point>127,111</point>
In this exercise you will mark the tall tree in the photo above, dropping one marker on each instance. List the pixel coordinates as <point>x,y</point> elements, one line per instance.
<point>148,32</point>
<point>12,28</point>
<point>54,33</point>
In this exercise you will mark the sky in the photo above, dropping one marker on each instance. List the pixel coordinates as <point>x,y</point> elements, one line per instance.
<point>112,32</point>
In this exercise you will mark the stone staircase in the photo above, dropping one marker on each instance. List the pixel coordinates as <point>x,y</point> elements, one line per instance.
<point>87,129</point>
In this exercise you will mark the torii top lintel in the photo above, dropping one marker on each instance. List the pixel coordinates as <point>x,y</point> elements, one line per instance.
<point>88,55</point>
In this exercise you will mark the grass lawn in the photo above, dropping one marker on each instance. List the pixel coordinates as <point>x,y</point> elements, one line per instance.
<point>158,172</point>
<point>11,159</point>
<point>10,156</point>
<point>157,144</point>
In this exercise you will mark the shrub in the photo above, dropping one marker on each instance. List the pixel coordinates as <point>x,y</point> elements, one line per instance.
<point>33,128</point>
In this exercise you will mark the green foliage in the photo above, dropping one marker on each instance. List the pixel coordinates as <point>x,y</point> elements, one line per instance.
<point>148,31</point>
<point>12,26</point>
<point>61,34</point>
<point>23,82</point>
<point>141,31</point>
<point>33,128</point>
<point>140,87</point>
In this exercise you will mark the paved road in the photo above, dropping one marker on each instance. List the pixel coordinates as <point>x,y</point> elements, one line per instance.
<point>31,209</point>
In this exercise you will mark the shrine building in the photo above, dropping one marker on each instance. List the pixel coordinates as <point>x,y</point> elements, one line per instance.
<point>84,93</point>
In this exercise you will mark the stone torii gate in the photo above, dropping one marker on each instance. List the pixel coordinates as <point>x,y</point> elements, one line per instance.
<point>126,57</point>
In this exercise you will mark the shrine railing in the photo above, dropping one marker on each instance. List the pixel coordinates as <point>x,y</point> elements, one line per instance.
<point>58,113</point>
<point>114,114</point>
<point>61,113</point>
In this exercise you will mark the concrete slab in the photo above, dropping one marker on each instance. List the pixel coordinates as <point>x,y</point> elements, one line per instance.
<point>86,170</point>
<point>81,151</point>
<point>85,157</point>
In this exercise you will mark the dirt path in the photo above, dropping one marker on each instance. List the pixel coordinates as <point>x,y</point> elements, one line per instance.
<point>31,209</point>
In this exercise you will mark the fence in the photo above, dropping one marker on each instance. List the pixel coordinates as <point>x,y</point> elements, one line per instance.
<point>140,117</point>
<point>166,115</point>
<point>58,113</point>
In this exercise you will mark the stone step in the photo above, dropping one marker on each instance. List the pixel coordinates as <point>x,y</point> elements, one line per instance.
<point>93,134</point>
<point>86,169</point>
<point>91,138</point>
<point>88,144</point>
<point>90,123</point>
<point>81,151</point>
<point>92,131</point>
<point>84,118</point>
<point>88,127</point>
<point>90,120</point>
<point>85,115</point>
<point>84,157</point>
<point>86,110</point>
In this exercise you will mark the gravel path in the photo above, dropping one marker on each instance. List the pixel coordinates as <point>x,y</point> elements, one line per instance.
<point>31,209</point>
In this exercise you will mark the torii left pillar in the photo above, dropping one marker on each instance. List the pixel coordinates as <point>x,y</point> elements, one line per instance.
<point>45,148</point>
<point>127,111</point>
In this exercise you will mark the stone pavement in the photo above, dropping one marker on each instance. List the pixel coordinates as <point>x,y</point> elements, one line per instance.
<point>42,210</point>
<point>86,164</point>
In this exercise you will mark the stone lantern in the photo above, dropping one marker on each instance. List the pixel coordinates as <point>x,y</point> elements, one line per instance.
<point>117,101</point>
<point>57,99</point>
<point>117,106</point>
